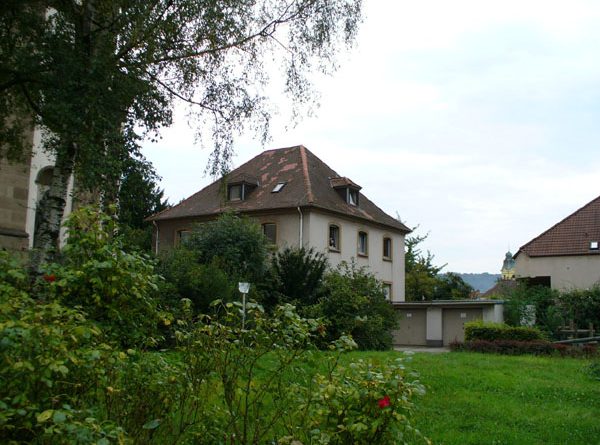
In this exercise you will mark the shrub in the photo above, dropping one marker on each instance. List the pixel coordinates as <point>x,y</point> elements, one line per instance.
<point>235,243</point>
<point>186,278</point>
<point>479,330</point>
<point>268,387</point>
<point>548,316</point>
<point>582,307</point>
<point>296,277</point>
<point>364,404</point>
<point>516,347</point>
<point>52,363</point>
<point>115,288</point>
<point>355,304</point>
<point>594,370</point>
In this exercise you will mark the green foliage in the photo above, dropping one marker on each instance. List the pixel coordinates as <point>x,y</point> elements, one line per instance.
<point>364,403</point>
<point>421,274</point>
<point>100,75</point>
<point>139,198</point>
<point>423,279</point>
<point>594,370</point>
<point>451,286</point>
<point>355,304</point>
<point>582,306</point>
<point>544,300</point>
<point>146,395</point>
<point>296,277</point>
<point>479,330</point>
<point>260,369</point>
<point>186,278</point>
<point>115,288</point>
<point>519,347</point>
<point>52,363</point>
<point>234,243</point>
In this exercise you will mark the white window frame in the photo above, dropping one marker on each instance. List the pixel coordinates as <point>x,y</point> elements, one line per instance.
<point>337,245</point>
<point>359,245</point>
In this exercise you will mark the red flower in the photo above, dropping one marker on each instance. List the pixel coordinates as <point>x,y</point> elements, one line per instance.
<point>50,278</point>
<point>384,403</point>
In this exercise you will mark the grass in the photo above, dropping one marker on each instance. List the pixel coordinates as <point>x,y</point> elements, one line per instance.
<point>490,399</point>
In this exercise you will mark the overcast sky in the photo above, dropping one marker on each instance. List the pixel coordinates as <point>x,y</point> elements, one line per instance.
<point>477,121</point>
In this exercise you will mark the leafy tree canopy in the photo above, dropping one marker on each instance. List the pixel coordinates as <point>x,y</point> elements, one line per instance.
<point>423,278</point>
<point>101,74</point>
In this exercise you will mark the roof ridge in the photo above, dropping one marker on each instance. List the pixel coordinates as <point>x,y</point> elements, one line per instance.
<point>306,175</point>
<point>555,225</point>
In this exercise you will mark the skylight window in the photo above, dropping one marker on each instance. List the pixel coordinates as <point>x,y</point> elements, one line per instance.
<point>594,245</point>
<point>278,187</point>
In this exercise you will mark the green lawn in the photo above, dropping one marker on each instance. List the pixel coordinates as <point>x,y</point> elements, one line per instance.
<point>490,399</point>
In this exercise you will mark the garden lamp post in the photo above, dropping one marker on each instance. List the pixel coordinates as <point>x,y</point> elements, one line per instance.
<point>243,288</point>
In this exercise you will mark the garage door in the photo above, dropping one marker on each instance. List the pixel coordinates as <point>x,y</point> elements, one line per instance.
<point>413,328</point>
<point>453,323</point>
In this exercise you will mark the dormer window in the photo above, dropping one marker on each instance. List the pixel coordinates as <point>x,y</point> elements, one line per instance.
<point>347,189</point>
<point>240,187</point>
<point>236,192</point>
<point>352,197</point>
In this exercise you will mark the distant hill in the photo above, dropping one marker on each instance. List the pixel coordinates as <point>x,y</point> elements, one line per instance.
<point>480,281</point>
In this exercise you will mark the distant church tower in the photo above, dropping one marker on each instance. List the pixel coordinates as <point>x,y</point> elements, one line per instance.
<point>508,267</point>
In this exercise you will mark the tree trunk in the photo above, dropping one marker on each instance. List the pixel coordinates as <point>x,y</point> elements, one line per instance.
<point>51,209</point>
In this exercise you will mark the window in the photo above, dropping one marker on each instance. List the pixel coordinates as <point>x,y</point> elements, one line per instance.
<point>387,291</point>
<point>594,245</point>
<point>278,187</point>
<point>183,236</point>
<point>236,192</point>
<point>270,232</point>
<point>387,248</point>
<point>363,243</point>
<point>334,237</point>
<point>352,197</point>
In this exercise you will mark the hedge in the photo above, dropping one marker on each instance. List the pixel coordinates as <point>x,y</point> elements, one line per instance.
<point>536,347</point>
<point>479,330</point>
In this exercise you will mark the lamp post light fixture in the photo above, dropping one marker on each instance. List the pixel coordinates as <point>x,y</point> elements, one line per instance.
<point>243,288</point>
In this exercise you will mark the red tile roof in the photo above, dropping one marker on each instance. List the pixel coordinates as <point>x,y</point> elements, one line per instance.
<point>571,236</point>
<point>307,181</point>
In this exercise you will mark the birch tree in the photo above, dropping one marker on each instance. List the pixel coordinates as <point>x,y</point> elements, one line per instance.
<point>99,75</point>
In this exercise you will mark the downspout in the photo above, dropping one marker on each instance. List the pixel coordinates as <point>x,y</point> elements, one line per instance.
<point>300,234</point>
<point>156,239</point>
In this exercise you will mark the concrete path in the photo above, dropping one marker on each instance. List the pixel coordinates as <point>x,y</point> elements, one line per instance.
<point>421,349</point>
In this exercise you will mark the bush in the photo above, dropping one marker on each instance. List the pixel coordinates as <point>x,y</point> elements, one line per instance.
<point>115,288</point>
<point>479,330</point>
<point>296,277</point>
<point>364,404</point>
<point>516,347</point>
<point>582,307</point>
<point>235,243</point>
<point>355,304</point>
<point>186,278</point>
<point>52,365</point>
<point>548,316</point>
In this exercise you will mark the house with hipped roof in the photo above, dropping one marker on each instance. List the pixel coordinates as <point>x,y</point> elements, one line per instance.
<point>299,201</point>
<point>567,255</point>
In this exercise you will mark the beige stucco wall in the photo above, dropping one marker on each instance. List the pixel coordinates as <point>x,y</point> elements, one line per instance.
<point>391,272</point>
<point>315,233</point>
<point>287,228</point>
<point>565,272</point>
